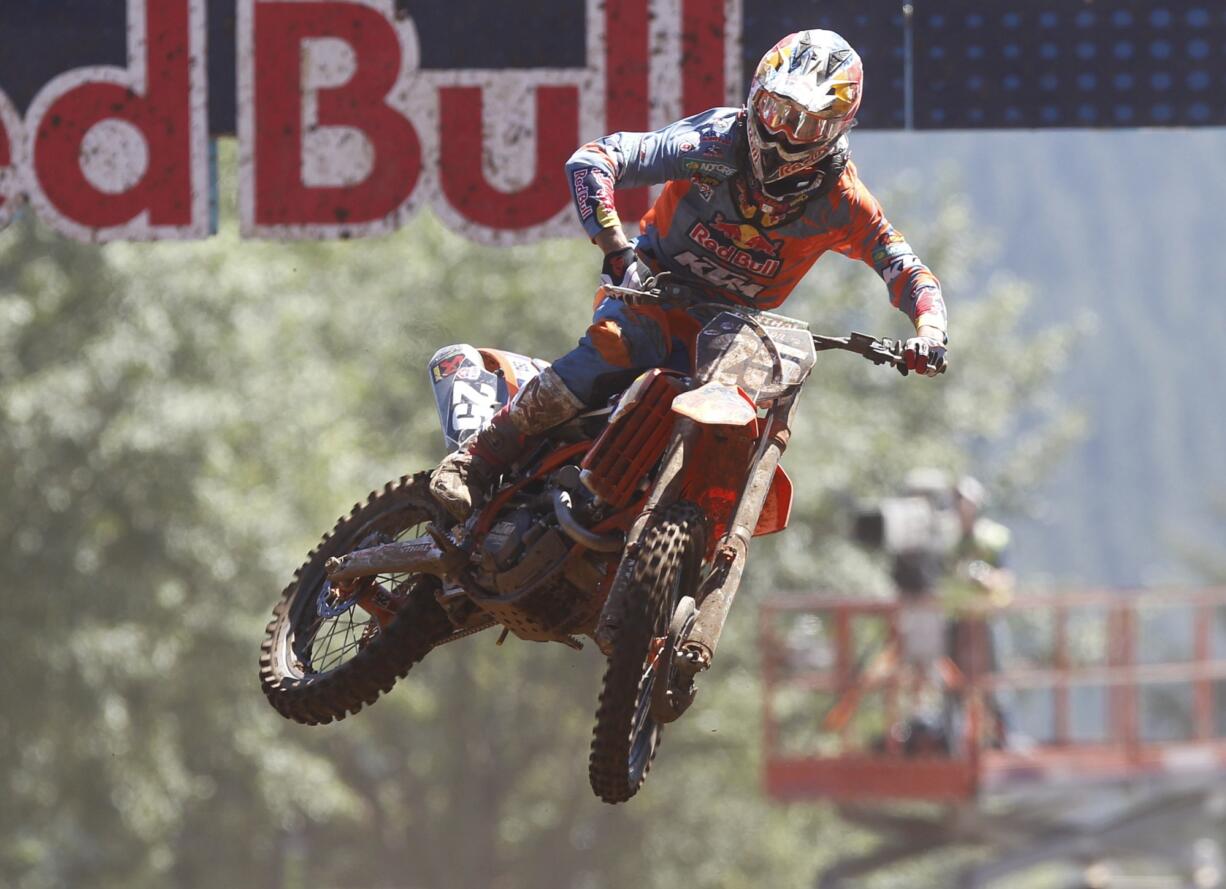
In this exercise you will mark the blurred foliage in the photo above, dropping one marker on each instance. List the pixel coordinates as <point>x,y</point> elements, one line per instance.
<point>180,420</point>
<point>1204,551</point>
<point>1103,225</point>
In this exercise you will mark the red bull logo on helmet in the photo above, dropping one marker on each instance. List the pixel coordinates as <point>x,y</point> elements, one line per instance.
<point>738,245</point>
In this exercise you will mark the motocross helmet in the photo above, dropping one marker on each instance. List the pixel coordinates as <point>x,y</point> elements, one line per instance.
<point>803,99</point>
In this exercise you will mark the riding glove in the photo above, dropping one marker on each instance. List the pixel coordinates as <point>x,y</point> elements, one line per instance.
<point>622,269</point>
<point>924,355</point>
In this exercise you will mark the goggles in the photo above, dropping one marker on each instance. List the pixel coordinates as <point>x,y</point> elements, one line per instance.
<point>783,117</point>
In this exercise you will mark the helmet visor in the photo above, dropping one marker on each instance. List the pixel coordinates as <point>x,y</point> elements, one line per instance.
<point>783,117</point>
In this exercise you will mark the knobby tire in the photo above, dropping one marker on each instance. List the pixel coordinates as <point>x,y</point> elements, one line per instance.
<point>664,569</point>
<point>314,698</point>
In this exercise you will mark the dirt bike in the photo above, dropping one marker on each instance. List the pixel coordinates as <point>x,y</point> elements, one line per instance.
<point>628,524</point>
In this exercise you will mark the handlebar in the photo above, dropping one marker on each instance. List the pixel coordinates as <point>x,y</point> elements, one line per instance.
<point>879,351</point>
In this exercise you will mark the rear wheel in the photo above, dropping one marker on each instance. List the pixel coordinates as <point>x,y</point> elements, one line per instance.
<point>328,653</point>
<point>665,569</point>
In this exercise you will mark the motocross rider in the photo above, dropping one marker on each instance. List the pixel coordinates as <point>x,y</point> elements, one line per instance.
<point>753,197</point>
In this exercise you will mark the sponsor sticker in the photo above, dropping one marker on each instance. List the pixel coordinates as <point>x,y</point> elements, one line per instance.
<point>579,183</point>
<point>709,167</point>
<point>705,186</point>
<point>606,210</point>
<point>721,277</point>
<point>895,269</point>
<point>447,366</point>
<point>738,245</point>
<point>794,167</point>
<point>718,130</point>
<point>883,256</point>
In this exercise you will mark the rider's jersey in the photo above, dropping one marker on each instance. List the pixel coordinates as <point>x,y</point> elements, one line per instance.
<point>709,228</point>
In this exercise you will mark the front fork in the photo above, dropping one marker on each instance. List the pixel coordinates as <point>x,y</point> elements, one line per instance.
<point>719,589</point>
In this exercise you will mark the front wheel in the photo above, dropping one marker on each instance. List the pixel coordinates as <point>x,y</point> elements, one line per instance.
<point>326,655</point>
<point>664,569</point>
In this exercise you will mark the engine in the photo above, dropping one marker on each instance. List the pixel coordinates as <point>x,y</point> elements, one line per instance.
<point>510,538</point>
<point>535,580</point>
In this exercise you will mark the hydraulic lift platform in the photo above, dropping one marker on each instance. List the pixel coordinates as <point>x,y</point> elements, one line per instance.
<point>1059,727</point>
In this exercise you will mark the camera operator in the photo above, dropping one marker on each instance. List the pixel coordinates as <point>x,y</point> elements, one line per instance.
<point>947,562</point>
<point>977,573</point>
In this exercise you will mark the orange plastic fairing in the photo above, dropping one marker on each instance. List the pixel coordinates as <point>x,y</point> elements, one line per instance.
<point>778,506</point>
<point>716,405</point>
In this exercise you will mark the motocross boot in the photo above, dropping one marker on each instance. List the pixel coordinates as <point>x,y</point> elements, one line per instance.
<point>464,478</point>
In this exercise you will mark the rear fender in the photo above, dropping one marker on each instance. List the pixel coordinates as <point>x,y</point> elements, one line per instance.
<point>466,394</point>
<point>516,369</point>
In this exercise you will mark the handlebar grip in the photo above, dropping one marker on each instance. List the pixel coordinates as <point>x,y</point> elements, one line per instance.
<point>879,351</point>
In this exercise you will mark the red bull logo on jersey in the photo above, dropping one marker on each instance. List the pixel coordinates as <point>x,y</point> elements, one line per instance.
<point>738,245</point>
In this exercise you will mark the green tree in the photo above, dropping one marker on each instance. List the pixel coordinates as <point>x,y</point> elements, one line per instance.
<point>180,421</point>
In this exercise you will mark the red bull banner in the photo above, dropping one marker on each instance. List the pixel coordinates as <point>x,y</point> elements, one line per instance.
<point>341,130</point>
<point>107,152</point>
<point>351,115</point>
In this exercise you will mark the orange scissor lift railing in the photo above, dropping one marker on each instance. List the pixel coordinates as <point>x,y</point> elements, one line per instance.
<point>1093,687</point>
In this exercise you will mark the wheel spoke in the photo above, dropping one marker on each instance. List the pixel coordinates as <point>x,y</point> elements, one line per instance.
<point>334,656</point>
<point>653,655</point>
<point>322,649</point>
<point>327,645</point>
<point>339,654</point>
<point>346,633</point>
<point>327,639</point>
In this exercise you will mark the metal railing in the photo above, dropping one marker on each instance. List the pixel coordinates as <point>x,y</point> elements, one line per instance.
<point>1087,686</point>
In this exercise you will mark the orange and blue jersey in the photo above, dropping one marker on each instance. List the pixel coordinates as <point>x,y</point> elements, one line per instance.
<point>710,229</point>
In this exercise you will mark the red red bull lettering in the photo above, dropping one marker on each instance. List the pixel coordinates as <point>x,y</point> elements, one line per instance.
<point>350,118</point>
<point>738,246</point>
